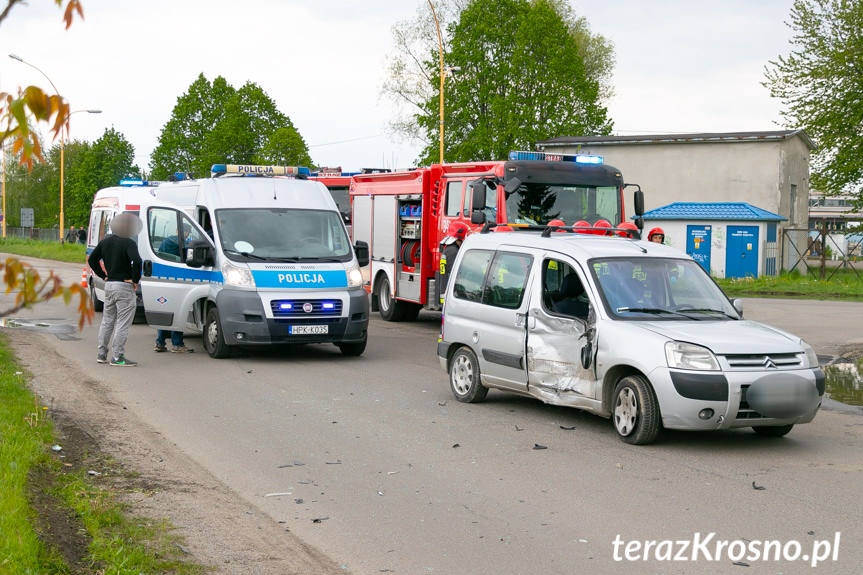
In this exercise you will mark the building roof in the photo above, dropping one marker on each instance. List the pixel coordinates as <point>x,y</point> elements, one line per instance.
<point>704,138</point>
<point>727,211</point>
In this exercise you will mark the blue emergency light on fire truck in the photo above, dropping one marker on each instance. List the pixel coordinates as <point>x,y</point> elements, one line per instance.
<point>252,256</point>
<point>405,216</point>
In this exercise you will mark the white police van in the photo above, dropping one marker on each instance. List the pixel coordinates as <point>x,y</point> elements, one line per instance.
<point>251,256</point>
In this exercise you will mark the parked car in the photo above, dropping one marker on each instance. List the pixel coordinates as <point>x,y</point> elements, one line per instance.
<point>626,329</point>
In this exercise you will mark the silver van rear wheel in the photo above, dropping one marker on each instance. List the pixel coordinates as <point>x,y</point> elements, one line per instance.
<point>464,377</point>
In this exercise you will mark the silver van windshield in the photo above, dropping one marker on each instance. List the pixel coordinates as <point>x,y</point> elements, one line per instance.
<point>281,234</point>
<point>659,288</point>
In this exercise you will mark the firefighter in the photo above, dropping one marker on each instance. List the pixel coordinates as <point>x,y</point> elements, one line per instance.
<point>656,235</point>
<point>449,248</point>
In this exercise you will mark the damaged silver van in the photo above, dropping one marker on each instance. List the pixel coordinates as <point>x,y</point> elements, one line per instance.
<point>626,329</point>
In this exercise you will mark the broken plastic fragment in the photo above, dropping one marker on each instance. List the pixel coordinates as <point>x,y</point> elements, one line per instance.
<point>538,446</point>
<point>56,448</point>
<point>758,488</point>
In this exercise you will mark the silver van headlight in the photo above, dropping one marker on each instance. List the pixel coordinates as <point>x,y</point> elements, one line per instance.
<point>682,355</point>
<point>240,276</point>
<point>811,356</point>
<point>355,277</point>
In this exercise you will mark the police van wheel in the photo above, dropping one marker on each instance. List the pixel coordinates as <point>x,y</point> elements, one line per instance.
<point>464,377</point>
<point>635,411</point>
<point>98,305</point>
<point>391,309</point>
<point>214,341</point>
<point>353,349</point>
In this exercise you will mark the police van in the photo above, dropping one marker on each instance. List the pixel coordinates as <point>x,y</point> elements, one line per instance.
<point>252,256</point>
<point>107,203</point>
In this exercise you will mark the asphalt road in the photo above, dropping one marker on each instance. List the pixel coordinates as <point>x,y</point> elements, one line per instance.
<point>372,460</point>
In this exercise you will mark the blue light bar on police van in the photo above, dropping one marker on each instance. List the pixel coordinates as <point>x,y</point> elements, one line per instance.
<point>546,157</point>
<point>250,170</point>
<point>129,183</point>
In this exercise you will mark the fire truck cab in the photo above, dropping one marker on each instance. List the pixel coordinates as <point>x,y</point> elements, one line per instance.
<point>404,216</point>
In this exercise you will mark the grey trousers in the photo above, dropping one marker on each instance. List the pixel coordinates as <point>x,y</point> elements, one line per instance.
<point>117,316</point>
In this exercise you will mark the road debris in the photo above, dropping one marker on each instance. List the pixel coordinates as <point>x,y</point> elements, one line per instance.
<point>538,446</point>
<point>758,488</point>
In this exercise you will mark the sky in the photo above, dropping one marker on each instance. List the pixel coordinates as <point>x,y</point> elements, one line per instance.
<point>682,66</point>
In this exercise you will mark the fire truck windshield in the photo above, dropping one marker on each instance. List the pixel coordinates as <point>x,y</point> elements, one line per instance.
<point>538,204</point>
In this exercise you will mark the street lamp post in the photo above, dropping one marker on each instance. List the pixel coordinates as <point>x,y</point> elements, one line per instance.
<point>443,73</point>
<point>62,139</point>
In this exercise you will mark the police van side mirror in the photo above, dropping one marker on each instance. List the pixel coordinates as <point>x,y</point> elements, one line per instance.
<point>199,253</point>
<point>361,249</point>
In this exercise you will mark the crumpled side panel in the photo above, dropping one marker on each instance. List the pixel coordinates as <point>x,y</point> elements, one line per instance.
<point>554,359</point>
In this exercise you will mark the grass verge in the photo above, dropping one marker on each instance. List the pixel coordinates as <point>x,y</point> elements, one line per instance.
<point>62,512</point>
<point>72,253</point>
<point>843,285</point>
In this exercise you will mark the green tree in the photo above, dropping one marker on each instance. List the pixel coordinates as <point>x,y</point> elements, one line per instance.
<point>285,147</point>
<point>413,79</point>
<point>100,165</point>
<point>820,83</point>
<point>214,124</point>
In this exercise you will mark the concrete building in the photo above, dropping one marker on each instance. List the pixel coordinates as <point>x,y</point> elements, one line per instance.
<point>728,239</point>
<point>769,170</point>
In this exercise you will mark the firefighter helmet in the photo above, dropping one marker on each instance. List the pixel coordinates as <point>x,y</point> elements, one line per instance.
<point>657,231</point>
<point>456,230</point>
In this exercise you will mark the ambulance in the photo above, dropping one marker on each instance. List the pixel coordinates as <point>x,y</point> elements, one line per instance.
<point>252,256</point>
<point>107,203</point>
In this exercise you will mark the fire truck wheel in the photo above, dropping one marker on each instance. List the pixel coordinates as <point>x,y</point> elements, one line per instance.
<point>98,305</point>
<point>412,311</point>
<point>391,309</point>
<point>214,341</point>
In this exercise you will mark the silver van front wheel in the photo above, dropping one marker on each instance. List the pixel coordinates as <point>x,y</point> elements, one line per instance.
<point>635,411</point>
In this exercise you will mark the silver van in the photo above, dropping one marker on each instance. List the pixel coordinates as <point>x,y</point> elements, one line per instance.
<point>626,329</point>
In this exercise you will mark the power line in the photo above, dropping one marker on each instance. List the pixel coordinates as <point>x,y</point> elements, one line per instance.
<point>346,141</point>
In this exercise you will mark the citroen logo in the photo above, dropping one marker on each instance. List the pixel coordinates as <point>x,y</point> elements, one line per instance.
<point>307,307</point>
<point>768,364</point>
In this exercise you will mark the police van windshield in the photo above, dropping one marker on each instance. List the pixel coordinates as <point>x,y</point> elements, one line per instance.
<point>281,234</point>
<point>535,203</point>
<point>660,288</point>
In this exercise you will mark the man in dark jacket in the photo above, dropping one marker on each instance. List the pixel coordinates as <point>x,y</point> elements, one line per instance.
<point>123,265</point>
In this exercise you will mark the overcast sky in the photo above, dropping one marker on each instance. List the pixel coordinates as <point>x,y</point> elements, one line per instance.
<point>682,65</point>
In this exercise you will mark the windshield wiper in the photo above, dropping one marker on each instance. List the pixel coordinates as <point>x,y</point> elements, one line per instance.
<point>708,310</point>
<point>247,255</point>
<point>653,310</point>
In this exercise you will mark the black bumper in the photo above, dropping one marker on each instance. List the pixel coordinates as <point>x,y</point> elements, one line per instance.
<point>241,312</point>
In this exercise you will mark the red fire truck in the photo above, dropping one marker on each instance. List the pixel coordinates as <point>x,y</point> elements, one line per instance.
<point>338,183</point>
<point>404,216</point>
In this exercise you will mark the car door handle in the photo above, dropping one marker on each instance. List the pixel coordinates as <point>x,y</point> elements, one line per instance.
<point>147,268</point>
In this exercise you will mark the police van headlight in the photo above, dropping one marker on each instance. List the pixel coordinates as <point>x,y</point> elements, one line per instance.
<point>240,276</point>
<point>355,277</point>
<point>682,355</point>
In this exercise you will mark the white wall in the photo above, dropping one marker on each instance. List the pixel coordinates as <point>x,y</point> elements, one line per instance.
<point>675,236</point>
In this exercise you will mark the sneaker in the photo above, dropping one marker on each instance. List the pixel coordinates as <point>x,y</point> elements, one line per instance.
<point>160,348</point>
<point>122,361</point>
<point>102,358</point>
<point>182,349</point>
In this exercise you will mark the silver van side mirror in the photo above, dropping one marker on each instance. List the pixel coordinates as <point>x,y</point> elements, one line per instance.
<point>738,305</point>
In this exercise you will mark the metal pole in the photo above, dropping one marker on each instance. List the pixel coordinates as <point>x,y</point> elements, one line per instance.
<point>440,45</point>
